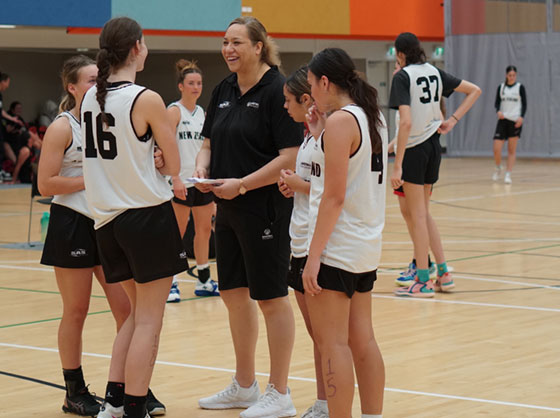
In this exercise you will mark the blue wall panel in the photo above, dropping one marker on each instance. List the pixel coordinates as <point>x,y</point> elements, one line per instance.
<point>195,15</point>
<point>55,12</point>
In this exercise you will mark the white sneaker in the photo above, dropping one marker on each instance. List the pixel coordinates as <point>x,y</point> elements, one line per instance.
<point>271,404</point>
<point>315,411</point>
<point>507,178</point>
<point>210,288</point>
<point>109,411</point>
<point>234,396</point>
<point>174,294</point>
<point>497,172</point>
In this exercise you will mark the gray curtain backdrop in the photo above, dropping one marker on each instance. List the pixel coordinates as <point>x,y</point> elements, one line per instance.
<point>482,59</point>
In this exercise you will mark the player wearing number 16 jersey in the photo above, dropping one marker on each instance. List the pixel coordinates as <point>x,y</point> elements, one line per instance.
<point>416,93</point>
<point>137,234</point>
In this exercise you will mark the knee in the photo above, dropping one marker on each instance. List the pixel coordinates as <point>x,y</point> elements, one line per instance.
<point>203,231</point>
<point>272,306</point>
<point>24,153</point>
<point>76,314</point>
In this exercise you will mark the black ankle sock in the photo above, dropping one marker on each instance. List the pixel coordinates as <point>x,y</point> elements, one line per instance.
<point>204,275</point>
<point>134,406</point>
<point>74,381</point>
<point>114,394</point>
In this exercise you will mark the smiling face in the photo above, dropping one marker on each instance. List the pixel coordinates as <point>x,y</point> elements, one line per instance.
<point>87,76</point>
<point>238,50</point>
<point>191,87</point>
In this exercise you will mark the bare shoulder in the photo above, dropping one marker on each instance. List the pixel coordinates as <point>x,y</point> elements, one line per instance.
<point>341,121</point>
<point>59,130</point>
<point>149,99</point>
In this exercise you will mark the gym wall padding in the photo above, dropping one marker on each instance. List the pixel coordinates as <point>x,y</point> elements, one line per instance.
<point>483,57</point>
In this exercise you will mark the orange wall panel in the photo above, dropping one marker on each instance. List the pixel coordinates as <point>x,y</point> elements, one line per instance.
<point>302,16</point>
<point>388,18</point>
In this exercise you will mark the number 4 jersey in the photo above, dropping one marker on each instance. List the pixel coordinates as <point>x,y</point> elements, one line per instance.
<point>119,169</point>
<point>421,87</point>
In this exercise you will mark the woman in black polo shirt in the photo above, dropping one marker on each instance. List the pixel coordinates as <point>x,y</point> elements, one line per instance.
<point>249,138</point>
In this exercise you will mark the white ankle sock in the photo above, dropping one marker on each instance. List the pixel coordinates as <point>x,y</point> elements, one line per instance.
<point>202,267</point>
<point>321,405</point>
<point>175,281</point>
<point>372,416</point>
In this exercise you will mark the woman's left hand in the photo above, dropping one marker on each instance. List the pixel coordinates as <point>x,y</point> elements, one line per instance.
<point>518,122</point>
<point>309,276</point>
<point>228,189</point>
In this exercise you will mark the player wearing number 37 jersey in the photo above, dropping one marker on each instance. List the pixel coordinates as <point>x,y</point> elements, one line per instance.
<point>416,92</point>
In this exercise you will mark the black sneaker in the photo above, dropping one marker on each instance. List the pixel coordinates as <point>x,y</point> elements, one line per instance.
<point>153,406</point>
<point>83,404</point>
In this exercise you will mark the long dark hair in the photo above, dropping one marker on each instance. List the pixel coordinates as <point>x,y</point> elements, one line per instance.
<point>409,45</point>
<point>297,84</point>
<point>118,37</point>
<point>338,67</point>
<point>510,68</point>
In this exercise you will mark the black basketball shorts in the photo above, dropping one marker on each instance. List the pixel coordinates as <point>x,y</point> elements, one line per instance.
<point>143,244</point>
<point>70,241</point>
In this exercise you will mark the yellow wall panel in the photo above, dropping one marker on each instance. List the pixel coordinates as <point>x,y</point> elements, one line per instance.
<point>496,16</point>
<point>302,16</point>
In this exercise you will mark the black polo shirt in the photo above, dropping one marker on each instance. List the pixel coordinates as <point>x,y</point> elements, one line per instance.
<point>246,132</point>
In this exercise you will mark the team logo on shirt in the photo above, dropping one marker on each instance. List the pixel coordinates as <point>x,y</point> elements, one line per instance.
<point>186,122</point>
<point>183,255</point>
<point>254,105</point>
<point>267,234</point>
<point>225,104</point>
<point>79,252</point>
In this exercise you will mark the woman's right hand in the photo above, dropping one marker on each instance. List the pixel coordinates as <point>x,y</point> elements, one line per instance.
<point>284,188</point>
<point>202,173</point>
<point>500,115</point>
<point>315,121</point>
<point>396,177</point>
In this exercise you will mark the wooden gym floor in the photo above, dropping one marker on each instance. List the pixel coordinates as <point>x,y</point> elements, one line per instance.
<point>490,349</point>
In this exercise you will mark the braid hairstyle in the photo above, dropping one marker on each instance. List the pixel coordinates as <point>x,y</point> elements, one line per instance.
<point>297,84</point>
<point>185,67</point>
<point>70,74</point>
<point>409,45</point>
<point>257,33</point>
<point>338,67</point>
<point>118,36</point>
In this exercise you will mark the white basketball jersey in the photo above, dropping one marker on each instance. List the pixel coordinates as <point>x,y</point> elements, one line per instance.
<point>300,220</point>
<point>72,167</point>
<point>510,104</point>
<point>355,243</point>
<point>189,138</point>
<point>119,169</point>
<point>425,96</point>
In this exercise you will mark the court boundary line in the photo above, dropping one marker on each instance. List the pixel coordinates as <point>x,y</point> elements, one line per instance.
<point>304,379</point>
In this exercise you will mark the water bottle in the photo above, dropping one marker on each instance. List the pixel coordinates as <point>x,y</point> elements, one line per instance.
<point>44,225</point>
